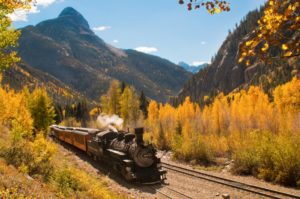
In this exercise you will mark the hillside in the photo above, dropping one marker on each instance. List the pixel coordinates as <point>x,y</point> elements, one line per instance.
<point>226,74</point>
<point>68,50</point>
<point>19,75</point>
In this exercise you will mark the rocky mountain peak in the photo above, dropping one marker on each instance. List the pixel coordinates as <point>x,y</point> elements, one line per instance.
<point>72,14</point>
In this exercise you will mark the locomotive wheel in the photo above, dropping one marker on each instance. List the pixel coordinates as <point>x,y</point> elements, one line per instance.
<point>126,174</point>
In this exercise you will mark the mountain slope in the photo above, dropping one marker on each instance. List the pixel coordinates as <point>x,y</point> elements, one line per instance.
<point>19,75</point>
<point>67,49</point>
<point>226,74</point>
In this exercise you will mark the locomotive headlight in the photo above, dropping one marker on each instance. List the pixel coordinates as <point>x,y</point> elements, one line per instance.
<point>158,165</point>
<point>128,169</point>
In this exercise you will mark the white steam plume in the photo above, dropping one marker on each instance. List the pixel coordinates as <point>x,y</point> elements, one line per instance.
<point>105,121</point>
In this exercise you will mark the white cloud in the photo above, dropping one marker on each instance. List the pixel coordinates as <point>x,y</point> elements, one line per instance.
<point>203,42</point>
<point>145,49</point>
<point>101,28</point>
<point>22,14</point>
<point>44,3</point>
<point>197,63</point>
<point>115,41</point>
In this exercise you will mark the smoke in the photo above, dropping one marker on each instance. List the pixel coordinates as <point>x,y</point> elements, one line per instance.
<point>112,121</point>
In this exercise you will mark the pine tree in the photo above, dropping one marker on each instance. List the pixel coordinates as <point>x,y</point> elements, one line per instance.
<point>144,103</point>
<point>58,114</point>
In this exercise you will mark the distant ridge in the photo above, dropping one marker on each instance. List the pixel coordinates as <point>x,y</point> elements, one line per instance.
<point>192,69</point>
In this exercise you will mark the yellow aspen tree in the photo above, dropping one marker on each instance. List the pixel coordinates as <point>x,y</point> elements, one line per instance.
<point>167,117</point>
<point>110,102</point>
<point>152,120</point>
<point>287,102</point>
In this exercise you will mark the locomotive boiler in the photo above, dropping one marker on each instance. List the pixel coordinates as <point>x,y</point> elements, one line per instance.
<point>125,152</point>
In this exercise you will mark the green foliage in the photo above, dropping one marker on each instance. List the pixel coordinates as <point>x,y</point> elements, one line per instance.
<point>41,108</point>
<point>34,158</point>
<point>8,35</point>
<point>269,157</point>
<point>66,182</point>
<point>144,103</point>
<point>19,132</point>
<point>72,182</point>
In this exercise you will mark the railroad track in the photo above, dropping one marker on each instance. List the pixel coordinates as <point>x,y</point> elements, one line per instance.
<point>269,193</point>
<point>170,193</point>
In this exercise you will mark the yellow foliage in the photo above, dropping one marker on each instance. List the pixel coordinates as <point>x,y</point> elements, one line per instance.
<point>14,107</point>
<point>73,182</point>
<point>279,18</point>
<point>243,125</point>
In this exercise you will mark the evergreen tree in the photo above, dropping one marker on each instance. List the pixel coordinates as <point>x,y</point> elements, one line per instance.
<point>144,103</point>
<point>123,85</point>
<point>58,114</point>
<point>84,114</point>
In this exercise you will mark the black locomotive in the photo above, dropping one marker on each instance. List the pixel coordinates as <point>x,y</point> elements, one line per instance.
<point>125,152</point>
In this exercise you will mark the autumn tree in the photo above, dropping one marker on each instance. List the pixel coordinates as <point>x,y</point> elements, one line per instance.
<point>41,108</point>
<point>110,102</point>
<point>130,106</point>
<point>8,35</point>
<point>152,120</point>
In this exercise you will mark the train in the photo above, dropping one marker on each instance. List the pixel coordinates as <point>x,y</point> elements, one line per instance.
<point>126,153</point>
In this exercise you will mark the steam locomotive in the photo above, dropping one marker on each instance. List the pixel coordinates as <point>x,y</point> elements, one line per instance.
<point>125,152</point>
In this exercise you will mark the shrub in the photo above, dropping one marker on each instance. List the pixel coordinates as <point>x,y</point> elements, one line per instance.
<point>71,181</point>
<point>271,157</point>
<point>33,158</point>
<point>66,182</point>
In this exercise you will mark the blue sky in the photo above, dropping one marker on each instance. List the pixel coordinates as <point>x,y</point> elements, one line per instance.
<point>159,27</point>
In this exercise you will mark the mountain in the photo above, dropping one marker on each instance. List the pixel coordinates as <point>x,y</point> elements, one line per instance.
<point>66,49</point>
<point>192,69</point>
<point>225,74</point>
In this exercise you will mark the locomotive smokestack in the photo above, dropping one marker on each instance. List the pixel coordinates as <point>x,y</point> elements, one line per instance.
<point>139,132</point>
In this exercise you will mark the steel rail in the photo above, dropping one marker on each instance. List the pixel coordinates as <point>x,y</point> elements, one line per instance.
<point>224,181</point>
<point>182,195</point>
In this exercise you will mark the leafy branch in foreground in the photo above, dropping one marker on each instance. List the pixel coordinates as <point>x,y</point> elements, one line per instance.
<point>8,35</point>
<point>277,35</point>
<point>213,7</point>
